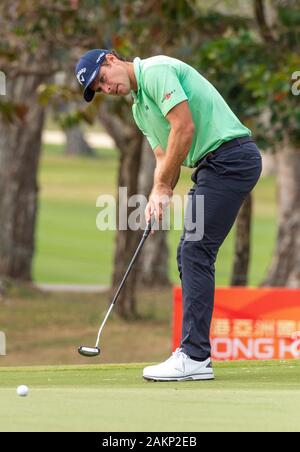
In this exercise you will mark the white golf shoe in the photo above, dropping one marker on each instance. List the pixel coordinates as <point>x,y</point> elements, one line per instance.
<point>180,367</point>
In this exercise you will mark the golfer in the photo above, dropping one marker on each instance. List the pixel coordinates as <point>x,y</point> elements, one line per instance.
<point>187,123</point>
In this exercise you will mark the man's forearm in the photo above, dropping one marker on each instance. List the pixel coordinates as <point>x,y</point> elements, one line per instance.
<point>174,181</point>
<point>178,148</point>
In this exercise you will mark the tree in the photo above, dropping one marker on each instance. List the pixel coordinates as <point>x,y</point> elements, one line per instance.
<point>66,117</point>
<point>129,142</point>
<point>33,39</point>
<point>228,61</point>
<point>242,244</point>
<point>136,170</point>
<point>283,41</point>
<point>134,26</point>
<point>76,143</point>
<point>20,143</point>
<point>253,66</point>
<point>20,138</point>
<point>285,268</point>
<point>153,264</point>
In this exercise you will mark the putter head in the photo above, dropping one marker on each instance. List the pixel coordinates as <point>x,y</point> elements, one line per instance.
<point>89,351</point>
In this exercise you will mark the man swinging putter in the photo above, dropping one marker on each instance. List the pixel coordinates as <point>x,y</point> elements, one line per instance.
<point>187,123</point>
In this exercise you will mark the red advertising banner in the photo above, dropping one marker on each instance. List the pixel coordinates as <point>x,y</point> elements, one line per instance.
<point>250,323</point>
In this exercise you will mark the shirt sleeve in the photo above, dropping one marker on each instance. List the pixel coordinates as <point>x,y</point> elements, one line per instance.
<point>163,85</point>
<point>153,143</point>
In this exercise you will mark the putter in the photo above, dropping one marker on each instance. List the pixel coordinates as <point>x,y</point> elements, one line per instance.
<point>95,351</point>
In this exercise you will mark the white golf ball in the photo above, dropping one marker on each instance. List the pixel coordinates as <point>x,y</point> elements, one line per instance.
<point>22,390</point>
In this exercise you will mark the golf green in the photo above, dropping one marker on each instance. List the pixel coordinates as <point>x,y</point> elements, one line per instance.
<point>246,396</point>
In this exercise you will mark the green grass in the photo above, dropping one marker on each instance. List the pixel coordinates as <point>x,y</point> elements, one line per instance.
<point>70,249</point>
<point>50,327</point>
<point>260,396</point>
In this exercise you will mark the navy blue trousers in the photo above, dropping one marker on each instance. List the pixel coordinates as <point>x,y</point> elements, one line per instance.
<point>224,178</point>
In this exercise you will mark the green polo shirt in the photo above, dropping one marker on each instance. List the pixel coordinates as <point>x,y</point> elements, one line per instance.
<point>164,82</point>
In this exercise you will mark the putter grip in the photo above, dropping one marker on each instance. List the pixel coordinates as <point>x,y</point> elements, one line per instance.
<point>149,226</point>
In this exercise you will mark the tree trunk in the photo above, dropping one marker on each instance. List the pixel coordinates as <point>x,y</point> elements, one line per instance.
<point>260,11</point>
<point>20,147</point>
<point>129,141</point>
<point>242,244</point>
<point>153,263</point>
<point>285,268</point>
<point>136,174</point>
<point>127,241</point>
<point>76,143</point>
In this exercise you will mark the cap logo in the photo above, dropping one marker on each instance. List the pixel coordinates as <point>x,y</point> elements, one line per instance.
<point>80,76</point>
<point>93,74</point>
<point>100,56</point>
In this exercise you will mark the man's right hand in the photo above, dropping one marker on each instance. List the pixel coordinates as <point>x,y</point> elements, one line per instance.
<point>159,200</point>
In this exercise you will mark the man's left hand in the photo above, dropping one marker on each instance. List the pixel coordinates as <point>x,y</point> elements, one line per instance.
<point>159,200</point>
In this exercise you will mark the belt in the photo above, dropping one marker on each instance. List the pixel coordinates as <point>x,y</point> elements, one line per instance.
<point>224,146</point>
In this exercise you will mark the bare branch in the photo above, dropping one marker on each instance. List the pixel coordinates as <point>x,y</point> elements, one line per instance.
<point>260,14</point>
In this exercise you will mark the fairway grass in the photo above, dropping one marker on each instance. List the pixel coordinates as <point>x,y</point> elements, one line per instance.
<point>246,396</point>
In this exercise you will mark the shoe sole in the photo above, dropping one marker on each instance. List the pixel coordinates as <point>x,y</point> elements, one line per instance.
<point>188,378</point>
